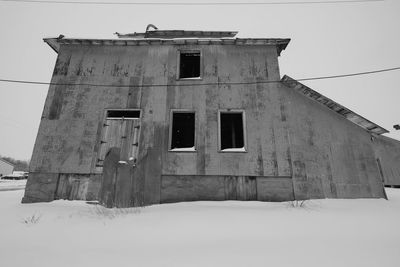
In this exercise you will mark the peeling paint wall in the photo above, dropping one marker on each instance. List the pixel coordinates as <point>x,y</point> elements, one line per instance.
<point>294,145</point>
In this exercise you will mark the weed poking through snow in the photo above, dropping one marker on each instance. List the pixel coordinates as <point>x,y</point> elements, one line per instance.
<point>297,203</point>
<point>33,219</point>
<point>113,213</point>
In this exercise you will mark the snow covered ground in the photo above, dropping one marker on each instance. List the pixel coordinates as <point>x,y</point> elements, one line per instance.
<point>363,232</point>
<point>12,184</point>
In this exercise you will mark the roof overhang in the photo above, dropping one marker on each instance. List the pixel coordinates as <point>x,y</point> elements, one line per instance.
<point>168,34</point>
<point>280,43</point>
<point>334,106</point>
<point>52,42</point>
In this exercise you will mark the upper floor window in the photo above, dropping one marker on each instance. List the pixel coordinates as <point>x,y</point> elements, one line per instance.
<point>189,64</point>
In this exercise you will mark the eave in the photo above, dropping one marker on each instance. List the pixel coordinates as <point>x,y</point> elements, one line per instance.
<point>280,43</point>
<point>169,34</point>
<point>334,106</point>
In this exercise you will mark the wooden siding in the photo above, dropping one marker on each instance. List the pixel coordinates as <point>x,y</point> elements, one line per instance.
<point>176,188</point>
<point>387,151</point>
<point>288,135</point>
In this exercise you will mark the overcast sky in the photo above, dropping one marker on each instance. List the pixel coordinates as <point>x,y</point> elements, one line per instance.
<point>327,39</point>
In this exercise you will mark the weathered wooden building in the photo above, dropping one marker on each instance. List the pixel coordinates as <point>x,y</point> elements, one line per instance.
<point>166,116</point>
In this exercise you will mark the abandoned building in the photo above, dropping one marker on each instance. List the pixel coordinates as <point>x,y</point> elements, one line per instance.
<point>167,116</point>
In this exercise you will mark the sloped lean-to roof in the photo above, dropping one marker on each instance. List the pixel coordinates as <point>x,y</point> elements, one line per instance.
<point>329,103</point>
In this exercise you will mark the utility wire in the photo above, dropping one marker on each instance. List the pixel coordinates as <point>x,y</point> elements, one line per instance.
<point>191,3</point>
<point>199,84</point>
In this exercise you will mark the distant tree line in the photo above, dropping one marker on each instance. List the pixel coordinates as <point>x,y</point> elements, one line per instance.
<point>19,165</point>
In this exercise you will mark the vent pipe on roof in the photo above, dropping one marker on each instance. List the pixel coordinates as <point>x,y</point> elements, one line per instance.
<point>151,26</point>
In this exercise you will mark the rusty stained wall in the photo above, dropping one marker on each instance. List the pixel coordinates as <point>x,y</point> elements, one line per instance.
<point>266,148</point>
<point>387,150</point>
<point>287,134</point>
<point>71,123</point>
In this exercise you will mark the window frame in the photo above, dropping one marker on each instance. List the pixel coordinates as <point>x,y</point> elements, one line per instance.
<point>178,66</point>
<point>171,119</point>
<point>236,111</point>
<point>105,117</point>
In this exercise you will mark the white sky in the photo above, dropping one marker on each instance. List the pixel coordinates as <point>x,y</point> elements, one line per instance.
<point>327,39</point>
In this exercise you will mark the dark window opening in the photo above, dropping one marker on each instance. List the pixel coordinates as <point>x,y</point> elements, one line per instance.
<point>189,65</point>
<point>232,135</point>
<point>126,114</point>
<point>182,130</point>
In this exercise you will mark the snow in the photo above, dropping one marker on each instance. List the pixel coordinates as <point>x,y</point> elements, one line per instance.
<point>12,184</point>
<point>190,78</point>
<point>360,232</point>
<point>183,149</point>
<point>241,149</point>
<point>19,173</point>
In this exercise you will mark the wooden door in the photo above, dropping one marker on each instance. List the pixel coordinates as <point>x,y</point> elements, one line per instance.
<point>130,140</point>
<point>121,133</point>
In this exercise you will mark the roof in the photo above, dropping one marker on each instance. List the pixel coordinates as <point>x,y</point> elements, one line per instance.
<point>334,106</point>
<point>174,37</point>
<point>178,34</point>
<point>3,160</point>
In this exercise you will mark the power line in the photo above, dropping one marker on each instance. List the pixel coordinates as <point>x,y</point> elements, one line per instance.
<point>349,75</point>
<point>191,3</point>
<point>200,84</point>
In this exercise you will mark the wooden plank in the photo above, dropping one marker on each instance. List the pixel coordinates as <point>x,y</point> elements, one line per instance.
<point>135,140</point>
<point>107,191</point>
<point>274,189</point>
<point>126,139</point>
<point>123,186</point>
<point>246,188</point>
<point>230,184</point>
<point>175,188</point>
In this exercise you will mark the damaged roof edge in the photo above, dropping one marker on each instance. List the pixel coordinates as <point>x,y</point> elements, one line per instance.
<point>178,34</point>
<point>334,106</point>
<point>280,43</point>
<point>52,42</point>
